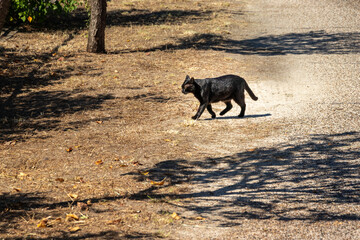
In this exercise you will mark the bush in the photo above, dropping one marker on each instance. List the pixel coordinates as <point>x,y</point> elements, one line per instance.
<point>39,10</point>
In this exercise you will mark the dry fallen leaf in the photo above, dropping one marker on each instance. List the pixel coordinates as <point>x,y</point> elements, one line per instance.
<point>99,162</point>
<point>73,196</point>
<point>158,183</point>
<point>143,173</point>
<point>200,218</point>
<point>137,163</point>
<point>175,216</point>
<point>69,149</point>
<point>116,221</point>
<point>22,175</point>
<point>74,229</point>
<point>43,223</point>
<point>12,143</point>
<point>167,140</point>
<point>59,180</point>
<point>17,189</point>
<point>70,217</point>
<point>99,122</point>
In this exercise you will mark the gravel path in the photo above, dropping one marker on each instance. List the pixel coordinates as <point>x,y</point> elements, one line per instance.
<point>301,182</point>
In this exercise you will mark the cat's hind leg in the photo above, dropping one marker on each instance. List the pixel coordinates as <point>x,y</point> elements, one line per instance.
<point>228,107</point>
<point>240,99</point>
<point>209,108</point>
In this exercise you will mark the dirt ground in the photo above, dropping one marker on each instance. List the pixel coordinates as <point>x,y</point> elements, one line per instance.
<point>83,135</point>
<point>102,146</point>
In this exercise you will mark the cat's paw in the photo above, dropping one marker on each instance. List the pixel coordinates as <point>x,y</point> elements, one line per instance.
<point>241,116</point>
<point>194,117</point>
<point>213,116</point>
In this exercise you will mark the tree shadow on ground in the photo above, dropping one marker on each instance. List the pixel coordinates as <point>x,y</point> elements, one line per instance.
<point>39,111</point>
<point>24,206</point>
<point>146,17</point>
<point>319,42</point>
<point>25,110</point>
<point>301,181</point>
<point>126,18</point>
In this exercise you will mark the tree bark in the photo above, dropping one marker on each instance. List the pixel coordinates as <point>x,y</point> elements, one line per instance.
<point>4,8</point>
<point>96,40</point>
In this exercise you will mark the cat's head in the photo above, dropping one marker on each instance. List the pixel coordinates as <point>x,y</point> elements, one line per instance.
<point>188,85</point>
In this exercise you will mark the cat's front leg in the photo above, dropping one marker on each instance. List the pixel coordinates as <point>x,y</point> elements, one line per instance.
<point>200,111</point>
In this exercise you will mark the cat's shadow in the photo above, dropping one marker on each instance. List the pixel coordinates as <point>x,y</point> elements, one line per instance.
<point>236,117</point>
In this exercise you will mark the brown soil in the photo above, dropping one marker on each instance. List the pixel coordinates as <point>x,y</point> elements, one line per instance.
<point>85,134</point>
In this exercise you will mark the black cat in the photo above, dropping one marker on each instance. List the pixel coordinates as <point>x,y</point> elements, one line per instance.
<point>211,90</point>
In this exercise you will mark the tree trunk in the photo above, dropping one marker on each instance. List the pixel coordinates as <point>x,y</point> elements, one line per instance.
<point>96,40</point>
<point>4,8</point>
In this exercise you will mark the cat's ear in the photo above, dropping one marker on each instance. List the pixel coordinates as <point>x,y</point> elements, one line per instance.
<point>187,77</point>
<point>191,80</point>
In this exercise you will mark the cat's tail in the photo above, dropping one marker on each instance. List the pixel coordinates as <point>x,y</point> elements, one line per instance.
<point>252,95</point>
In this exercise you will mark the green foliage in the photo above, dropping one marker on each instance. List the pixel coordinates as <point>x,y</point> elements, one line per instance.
<point>38,10</point>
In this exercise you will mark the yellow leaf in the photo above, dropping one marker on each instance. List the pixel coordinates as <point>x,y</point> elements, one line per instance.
<point>98,162</point>
<point>74,229</point>
<point>158,183</point>
<point>167,140</point>
<point>73,195</point>
<point>175,216</point>
<point>29,19</point>
<point>143,173</point>
<point>22,175</point>
<point>43,223</point>
<point>200,218</point>
<point>17,189</point>
<point>71,216</point>
<point>69,149</point>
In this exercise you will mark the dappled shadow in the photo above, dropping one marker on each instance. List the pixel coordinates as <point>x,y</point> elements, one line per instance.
<point>78,19</point>
<point>15,206</point>
<point>319,42</point>
<point>146,17</point>
<point>23,109</point>
<point>38,111</point>
<point>310,180</point>
<point>149,97</point>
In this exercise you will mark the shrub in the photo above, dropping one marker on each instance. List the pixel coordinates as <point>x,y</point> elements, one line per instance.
<point>39,10</point>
